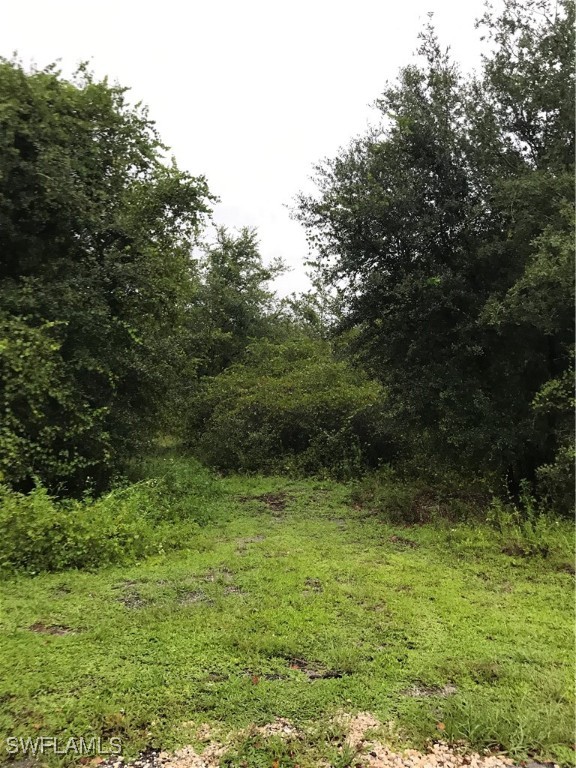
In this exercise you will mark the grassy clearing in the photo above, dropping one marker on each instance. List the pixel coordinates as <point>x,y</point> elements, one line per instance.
<point>289,601</point>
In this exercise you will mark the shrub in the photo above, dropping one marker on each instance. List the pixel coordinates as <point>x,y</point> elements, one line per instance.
<point>409,500</point>
<point>526,528</point>
<point>48,428</point>
<point>41,533</point>
<point>291,407</point>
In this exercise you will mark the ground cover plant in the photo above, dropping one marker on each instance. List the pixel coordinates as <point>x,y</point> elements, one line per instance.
<point>399,556</point>
<point>294,600</point>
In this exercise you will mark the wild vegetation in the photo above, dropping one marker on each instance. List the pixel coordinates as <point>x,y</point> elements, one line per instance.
<point>218,507</point>
<point>293,598</point>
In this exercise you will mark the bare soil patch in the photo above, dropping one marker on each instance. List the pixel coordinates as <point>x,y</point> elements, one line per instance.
<point>276,502</point>
<point>51,629</point>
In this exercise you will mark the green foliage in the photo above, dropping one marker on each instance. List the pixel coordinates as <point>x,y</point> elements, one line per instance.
<point>232,304</point>
<point>290,406</point>
<point>448,232</point>
<point>523,723</point>
<point>259,752</point>
<point>47,428</point>
<point>39,533</point>
<point>526,527</point>
<point>207,635</point>
<point>522,528</point>
<point>95,235</point>
<point>413,500</point>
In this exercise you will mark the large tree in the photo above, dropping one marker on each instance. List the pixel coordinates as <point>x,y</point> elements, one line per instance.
<point>233,304</point>
<point>96,230</point>
<point>446,230</point>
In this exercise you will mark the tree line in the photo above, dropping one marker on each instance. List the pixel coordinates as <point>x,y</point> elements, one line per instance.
<point>439,330</point>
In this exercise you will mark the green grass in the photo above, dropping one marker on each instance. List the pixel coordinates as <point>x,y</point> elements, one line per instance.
<point>298,605</point>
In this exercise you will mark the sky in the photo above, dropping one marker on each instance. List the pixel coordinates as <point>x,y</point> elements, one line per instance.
<point>249,93</point>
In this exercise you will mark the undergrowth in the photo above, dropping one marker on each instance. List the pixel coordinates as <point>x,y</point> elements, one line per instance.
<point>39,532</point>
<point>186,599</point>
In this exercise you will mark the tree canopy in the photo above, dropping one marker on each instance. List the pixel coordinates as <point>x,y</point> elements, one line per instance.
<point>448,231</point>
<point>96,230</point>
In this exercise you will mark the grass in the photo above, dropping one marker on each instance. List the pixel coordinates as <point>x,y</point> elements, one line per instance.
<point>289,601</point>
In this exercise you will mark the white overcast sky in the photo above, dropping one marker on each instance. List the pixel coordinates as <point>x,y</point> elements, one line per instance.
<point>250,93</point>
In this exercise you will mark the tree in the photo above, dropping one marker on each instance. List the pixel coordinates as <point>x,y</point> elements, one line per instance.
<point>232,304</point>
<point>95,237</point>
<point>436,218</point>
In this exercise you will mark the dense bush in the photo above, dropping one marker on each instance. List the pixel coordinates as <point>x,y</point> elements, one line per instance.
<point>96,230</point>
<point>522,527</point>
<point>447,232</point>
<point>40,533</point>
<point>406,498</point>
<point>290,407</point>
<point>48,428</point>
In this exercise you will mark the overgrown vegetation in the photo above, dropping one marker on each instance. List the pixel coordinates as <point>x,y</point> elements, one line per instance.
<point>294,601</point>
<point>291,407</point>
<point>431,368</point>
<point>39,533</point>
<point>95,236</point>
<point>448,232</point>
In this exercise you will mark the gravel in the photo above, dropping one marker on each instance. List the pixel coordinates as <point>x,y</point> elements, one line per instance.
<point>370,751</point>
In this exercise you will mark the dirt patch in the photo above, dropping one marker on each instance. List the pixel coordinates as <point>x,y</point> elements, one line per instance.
<point>51,629</point>
<point>313,585</point>
<point>280,727</point>
<point>133,600</point>
<point>193,597</point>
<point>313,671</point>
<point>187,757</point>
<point>366,737</point>
<point>231,589</point>
<point>358,726</point>
<point>61,590</point>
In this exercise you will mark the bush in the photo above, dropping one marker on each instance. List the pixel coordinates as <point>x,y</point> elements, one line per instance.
<point>95,236</point>
<point>290,407</point>
<point>408,500</point>
<point>526,528</point>
<point>40,533</point>
<point>49,428</point>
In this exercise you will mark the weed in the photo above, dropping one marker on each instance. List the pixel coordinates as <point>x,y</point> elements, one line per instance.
<point>484,639</point>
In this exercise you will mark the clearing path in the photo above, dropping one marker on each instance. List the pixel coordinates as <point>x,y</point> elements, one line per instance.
<point>288,609</point>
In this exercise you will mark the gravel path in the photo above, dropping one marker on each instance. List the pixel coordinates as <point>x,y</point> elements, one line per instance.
<point>370,753</point>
